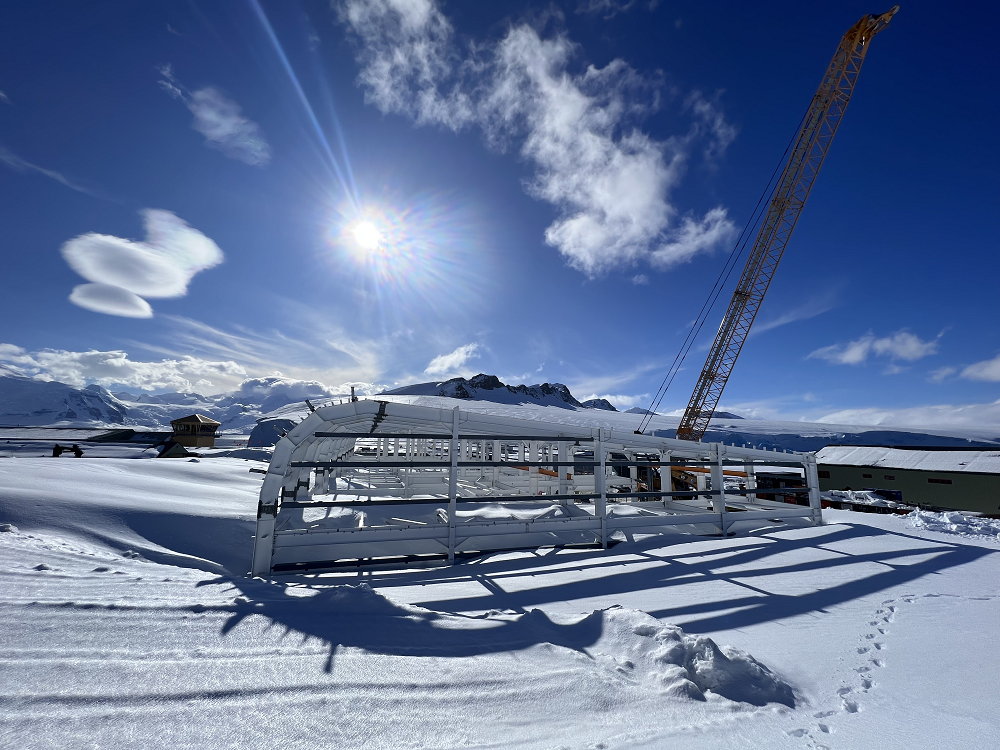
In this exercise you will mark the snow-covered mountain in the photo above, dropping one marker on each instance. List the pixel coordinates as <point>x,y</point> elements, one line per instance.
<point>484,387</point>
<point>639,410</point>
<point>598,403</point>
<point>26,401</point>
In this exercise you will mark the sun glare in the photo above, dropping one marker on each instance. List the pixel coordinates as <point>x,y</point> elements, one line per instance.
<point>366,235</point>
<point>405,253</point>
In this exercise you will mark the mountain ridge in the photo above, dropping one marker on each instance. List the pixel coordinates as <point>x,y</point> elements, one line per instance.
<point>483,387</point>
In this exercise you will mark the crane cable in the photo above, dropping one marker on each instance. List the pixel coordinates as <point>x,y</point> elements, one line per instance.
<point>713,295</point>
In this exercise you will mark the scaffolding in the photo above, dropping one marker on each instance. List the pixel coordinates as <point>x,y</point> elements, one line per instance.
<point>382,482</point>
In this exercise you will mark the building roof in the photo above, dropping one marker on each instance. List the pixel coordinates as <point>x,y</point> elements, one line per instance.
<point>64,434</point>
<point>195,419</point>
<point>972,461</point>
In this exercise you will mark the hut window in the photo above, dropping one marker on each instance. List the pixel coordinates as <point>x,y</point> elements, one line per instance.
<point>934,480</point>
<point>890,477</point>
<point>866,476</point>
<point>824,475</point>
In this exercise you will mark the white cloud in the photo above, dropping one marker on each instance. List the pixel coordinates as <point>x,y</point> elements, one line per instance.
<point>114,368</point>
<point>942,415</point>
<point>277,390</point>
<point>453,363</point>
<point>988,370</point>
<point>941,373</point>
<point>640,279</point>
<point>904,345</point>
<point>221,121</point>
<point>407,60</point>
<point>692,237</point>
<point>162,266</point>
<point>110,300</point>
<point>609,181</point>
<point>4,98</point>
<point>901,345</point>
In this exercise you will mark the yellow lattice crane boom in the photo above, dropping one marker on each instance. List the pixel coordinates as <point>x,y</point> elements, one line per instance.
<point>820,125</point>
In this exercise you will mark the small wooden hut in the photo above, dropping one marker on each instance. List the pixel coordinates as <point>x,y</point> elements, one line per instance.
<point>195,431</point>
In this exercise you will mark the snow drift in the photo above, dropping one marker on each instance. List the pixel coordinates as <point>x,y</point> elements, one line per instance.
<point>955,522</point>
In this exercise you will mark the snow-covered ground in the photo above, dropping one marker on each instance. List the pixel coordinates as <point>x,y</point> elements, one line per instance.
<point>128,622</point>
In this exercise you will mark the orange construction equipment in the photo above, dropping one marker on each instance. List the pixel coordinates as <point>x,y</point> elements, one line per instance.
<point>789,197</point>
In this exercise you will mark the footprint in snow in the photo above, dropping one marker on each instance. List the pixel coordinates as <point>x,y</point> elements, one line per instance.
<point>884,615</point>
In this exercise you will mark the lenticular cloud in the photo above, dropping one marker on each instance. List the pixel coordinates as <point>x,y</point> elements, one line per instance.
<point>124,272</point>
<point>110,300</point>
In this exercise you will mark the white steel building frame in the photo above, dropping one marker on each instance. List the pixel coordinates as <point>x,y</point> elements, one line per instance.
<point>479,482</point>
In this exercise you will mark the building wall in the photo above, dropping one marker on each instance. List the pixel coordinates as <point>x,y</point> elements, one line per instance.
<point>967,491</point>
<point>195,441</point>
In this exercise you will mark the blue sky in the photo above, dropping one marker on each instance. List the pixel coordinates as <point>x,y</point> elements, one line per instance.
<point>555,187</point>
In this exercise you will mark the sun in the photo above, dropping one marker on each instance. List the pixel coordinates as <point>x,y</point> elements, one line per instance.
<point>366,235</point>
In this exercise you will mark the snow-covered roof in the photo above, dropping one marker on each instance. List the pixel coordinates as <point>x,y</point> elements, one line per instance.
<point>195,419</point>
<point>972,461</point>
<point>51,433</point>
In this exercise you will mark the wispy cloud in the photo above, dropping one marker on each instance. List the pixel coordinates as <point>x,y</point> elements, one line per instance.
<point>613,382</point>
<point>221,121</point>
<point>941,373</point>
<point>712,121</point>
<point>18,164</point>
<point>609,181</point>
<point>5,99</point>
<point>815,305</point>
<point>606,8</point>
<point>317,351</point>
<point>453,363</point>
<point>901,345</point>
<point>988,370</point>
<point>640,279</point>
<point>124,272</point>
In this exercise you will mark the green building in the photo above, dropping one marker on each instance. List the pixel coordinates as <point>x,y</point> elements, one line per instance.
<point>946,479</point>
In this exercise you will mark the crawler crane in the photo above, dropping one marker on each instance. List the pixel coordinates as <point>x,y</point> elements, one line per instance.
<point>787,201</point>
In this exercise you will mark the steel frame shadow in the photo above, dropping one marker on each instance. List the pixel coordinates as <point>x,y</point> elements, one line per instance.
<point>357,616</point>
